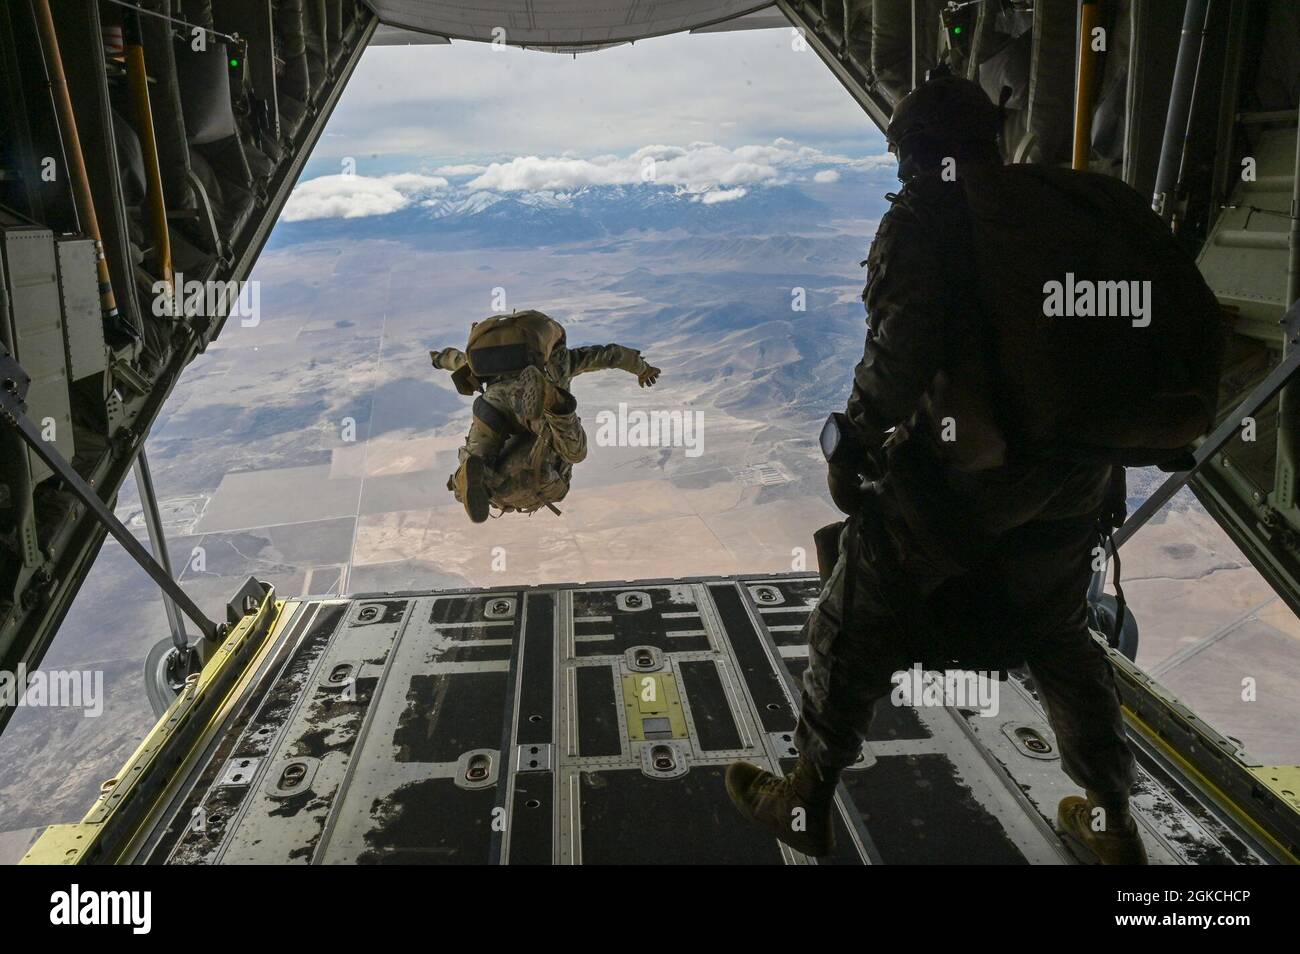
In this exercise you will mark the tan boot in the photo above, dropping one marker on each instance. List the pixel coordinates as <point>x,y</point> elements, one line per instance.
<point>470,488</point>
<point>530,394</point>
<point>1078,819</point>
<point>797,808</point>
<point>559,401</point>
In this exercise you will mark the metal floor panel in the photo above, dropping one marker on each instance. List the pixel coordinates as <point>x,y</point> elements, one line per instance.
<point>422,785</point>
<point>593,724</point>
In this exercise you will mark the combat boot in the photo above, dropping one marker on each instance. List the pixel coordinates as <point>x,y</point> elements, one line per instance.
<point>529,394</point>
<point>559,402</point>
<point>1118,844</point>
<point>797,808</point>
<point>471,488</point>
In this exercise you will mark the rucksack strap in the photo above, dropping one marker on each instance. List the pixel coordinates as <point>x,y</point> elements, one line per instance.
<point>972,327</point>
<point>1114,506</point>
<point>1114,511</point>
<point>465,381</point>
<point>1121,604</point>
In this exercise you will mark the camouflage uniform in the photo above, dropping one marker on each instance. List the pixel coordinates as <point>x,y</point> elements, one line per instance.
<point>985,568</point>
<point>523,474</point>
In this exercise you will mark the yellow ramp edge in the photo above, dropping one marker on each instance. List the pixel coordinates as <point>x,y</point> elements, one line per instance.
<point>1282,780</point>
<point>71,844</point>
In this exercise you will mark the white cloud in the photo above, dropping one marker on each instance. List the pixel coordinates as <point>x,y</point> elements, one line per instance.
<point>697,168</point>
<point>535,174</point>
<point>705,171</point>
<point>724,195</point>
<point>354,196</point>
<point>462,169</point>
<point>415,184</point>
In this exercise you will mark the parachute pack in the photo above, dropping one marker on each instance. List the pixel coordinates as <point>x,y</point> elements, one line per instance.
<point>504,344</point>
<point>1105,339</point>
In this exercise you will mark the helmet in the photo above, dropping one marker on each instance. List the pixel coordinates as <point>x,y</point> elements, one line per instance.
<point>948,109</point>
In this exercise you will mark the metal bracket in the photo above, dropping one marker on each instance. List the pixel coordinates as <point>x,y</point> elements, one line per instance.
<point>239,771</point>
<point>783,744</point>
<point>533,758</point>
<point>246,600</point>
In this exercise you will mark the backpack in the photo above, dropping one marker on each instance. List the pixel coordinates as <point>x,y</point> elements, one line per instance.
<point>1105,342</point>
<point>504,344</point>
<point>529,476</point>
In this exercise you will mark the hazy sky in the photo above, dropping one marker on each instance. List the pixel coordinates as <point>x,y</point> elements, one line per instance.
<point>712,114</point>
<point>476,101</point>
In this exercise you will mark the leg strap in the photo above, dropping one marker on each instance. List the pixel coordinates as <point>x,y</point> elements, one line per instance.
<point>493,418</point>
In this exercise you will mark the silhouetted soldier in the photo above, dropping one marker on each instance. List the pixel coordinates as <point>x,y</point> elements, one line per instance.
<point>987,430</point>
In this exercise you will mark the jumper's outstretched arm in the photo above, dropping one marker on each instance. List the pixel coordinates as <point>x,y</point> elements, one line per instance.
<point>610,356</point>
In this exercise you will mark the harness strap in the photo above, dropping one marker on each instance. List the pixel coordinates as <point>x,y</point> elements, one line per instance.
<point>538,454</point>
<point>1114,513</point>
<point>492,417</point>
<point>1121,605</point>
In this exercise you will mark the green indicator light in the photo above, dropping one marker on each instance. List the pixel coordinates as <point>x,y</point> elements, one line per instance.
<point>956,30</point>
<point>234,62</point>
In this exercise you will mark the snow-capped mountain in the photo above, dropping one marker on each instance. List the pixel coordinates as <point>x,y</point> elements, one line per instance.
<point>531,219</point>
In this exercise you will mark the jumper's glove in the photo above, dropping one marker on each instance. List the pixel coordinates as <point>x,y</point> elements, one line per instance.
<point>846,488</point>
<point>647,377</point>
<point>434,356</point>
